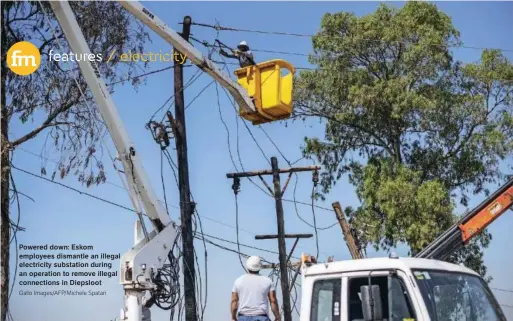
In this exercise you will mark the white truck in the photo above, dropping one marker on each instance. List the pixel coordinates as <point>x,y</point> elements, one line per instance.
<point>407,289</point>
<point>394,289</point>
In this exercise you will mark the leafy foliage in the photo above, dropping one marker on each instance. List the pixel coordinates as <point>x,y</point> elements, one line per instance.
<point>57,92</point>
<point>397,206</point>
<point>411,126</point>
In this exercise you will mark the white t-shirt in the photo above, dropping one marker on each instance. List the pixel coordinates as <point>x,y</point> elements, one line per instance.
<point>253,291</point>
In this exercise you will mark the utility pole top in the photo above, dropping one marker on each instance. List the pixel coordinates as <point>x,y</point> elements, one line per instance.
<point>350,239</point>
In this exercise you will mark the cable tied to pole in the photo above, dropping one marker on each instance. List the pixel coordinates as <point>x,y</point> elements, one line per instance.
<point>315,177</point>
<point>236,185</point>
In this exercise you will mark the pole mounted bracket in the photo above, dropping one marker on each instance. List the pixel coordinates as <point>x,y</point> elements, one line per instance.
<point>315,177</point>
<point>236,185</point>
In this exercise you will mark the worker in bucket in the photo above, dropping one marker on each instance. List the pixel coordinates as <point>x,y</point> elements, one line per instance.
<point>252,294</point>
<point>242,53</point>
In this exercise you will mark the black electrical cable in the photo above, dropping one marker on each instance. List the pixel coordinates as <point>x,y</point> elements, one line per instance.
<point>315,222</point>
<point>226,128</point>
<point>280,33</point>
<point>162,180</point>
<point>206,265</point>
<point>145,74</point>
<point>193,79</point>
<point>228,139</point>
<point>237,230</point>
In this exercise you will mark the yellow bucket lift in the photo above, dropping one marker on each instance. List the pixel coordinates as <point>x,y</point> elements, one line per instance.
<point>270,90</point>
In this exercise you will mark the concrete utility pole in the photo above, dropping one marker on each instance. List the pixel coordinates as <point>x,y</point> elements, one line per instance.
<point>186,207</point>
<point>350,241</point>
<point>282,250</point>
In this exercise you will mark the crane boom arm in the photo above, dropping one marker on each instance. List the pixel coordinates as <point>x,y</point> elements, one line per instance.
<point>194,55</point>
<point>142,262</point>
<point>471,224</point>
<point>124,146</point>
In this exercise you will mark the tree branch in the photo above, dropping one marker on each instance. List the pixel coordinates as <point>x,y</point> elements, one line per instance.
<point>47,123</point>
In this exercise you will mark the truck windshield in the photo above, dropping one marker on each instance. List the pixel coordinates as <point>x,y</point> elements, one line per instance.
<point>457,296</point>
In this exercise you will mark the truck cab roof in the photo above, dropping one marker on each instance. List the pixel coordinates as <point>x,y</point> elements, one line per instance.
<point>382,263</point>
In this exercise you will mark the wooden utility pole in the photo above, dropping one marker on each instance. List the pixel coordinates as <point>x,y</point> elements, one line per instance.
<point>282,250</point>
<point>186,207</point>
<point>350,241</point>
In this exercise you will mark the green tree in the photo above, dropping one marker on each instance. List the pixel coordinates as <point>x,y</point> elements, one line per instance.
<point>411,126</point>
<point>51,98</point>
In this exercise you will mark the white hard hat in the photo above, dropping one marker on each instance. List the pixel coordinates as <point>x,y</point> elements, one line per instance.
<point>254,264</point>
<point>243,44</point>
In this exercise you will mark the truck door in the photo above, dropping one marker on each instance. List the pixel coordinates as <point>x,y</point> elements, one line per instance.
<point>326,300</point>
<point>396,301</point>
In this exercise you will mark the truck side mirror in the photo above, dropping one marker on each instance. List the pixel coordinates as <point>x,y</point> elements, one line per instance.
<point>371,303</point>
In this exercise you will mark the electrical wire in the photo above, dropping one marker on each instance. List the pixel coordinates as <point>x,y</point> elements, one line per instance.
<point>75,190</point>
<point>163,181</point>
<point>222,28</point>
<point>191,80</point>
<point>275,146</point>
<point>212,47</point>
<point>122,206</point>
<point>226,63</point>
<point>233,250</point>
<point>502,290</point>
<point>243,245</point>
<point>199,94</point>
<point>56,162</point>
<point>145,74</point>
<point>205,264</point>
<point>315,222</point>
<point>197,277</point>
<point>301,218</point>
<point>166,153</point>
<point>232,101</point>
<point>237,230</point>
<point>227,130</point>
<point>228,139</point>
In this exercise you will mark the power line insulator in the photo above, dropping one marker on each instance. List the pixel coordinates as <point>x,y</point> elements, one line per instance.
<point>236,185</point>
<point>315,177</point>
<point>160,133</point>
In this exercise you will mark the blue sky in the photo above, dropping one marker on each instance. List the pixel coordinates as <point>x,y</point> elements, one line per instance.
<point>60,216</point>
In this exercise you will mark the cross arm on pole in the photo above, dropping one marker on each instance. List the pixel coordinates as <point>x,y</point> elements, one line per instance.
<point>270,171</point>
<point>277,265</point>
<point>287,236</point>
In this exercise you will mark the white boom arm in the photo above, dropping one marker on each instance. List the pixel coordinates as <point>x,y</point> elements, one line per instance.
<point>194,55</point>
<point>142,262</point>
